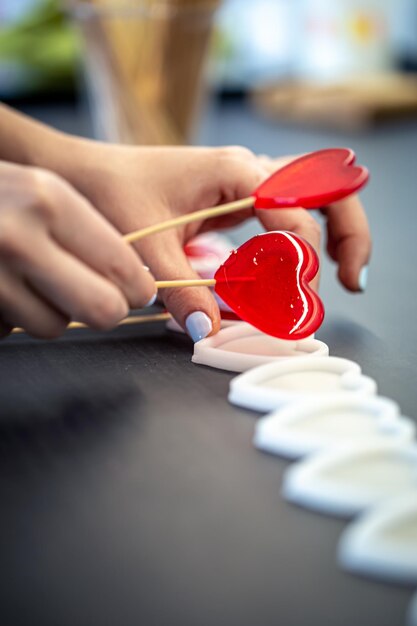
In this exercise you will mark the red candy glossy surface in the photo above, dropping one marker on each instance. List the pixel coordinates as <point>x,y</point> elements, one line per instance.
<point>312,181</point>
<point>266,283</point>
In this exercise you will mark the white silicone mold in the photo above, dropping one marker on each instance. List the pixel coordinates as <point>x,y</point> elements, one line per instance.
<point>346,482</point>
<point>243,347</point>
<point>383,542</point>
<point>273,385</point>
<point>302,427</point>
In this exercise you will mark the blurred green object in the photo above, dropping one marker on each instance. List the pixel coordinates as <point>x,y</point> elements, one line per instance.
<point>39,53</point>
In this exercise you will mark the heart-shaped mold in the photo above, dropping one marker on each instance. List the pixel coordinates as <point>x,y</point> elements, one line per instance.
<point>303,428</point>
<point>382,543</point>
<point>242,347</point>
<point>346,482</point>
<point>274,385</point>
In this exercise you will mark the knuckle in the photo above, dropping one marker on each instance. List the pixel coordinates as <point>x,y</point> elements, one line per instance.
<point>237,152</point>
<point>46,187</point>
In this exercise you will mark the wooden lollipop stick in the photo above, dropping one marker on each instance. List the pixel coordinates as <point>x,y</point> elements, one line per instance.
<point>190,282</point>
<point>133,319</point>
<point>204,214</point>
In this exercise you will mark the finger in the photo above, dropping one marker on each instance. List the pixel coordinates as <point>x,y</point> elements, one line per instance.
<point>236,172</point>
<point>75,289</point>
<point>89,237</point>
<point>194,308</point>
<point>298,221</point>
<point>349,241</point>
<point>20,306</point>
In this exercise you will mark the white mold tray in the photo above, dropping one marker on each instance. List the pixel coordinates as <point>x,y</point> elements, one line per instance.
<point>274,385</point>
<point>242,347</point>
<point>383,542</point>
<point>303,427</point>
<point>347,481</point>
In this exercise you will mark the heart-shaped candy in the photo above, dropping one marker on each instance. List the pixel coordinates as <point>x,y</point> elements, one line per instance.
<point>312,181</point>
<point>265,282</point>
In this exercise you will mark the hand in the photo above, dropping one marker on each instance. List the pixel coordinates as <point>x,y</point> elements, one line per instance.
<point>134,187</point>
<point>60,260</point>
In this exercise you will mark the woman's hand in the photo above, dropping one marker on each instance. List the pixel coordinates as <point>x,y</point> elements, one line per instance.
<point>60,260</point>
<point>134,187</point>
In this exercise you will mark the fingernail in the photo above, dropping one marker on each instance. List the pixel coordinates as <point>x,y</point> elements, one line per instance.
<point>198,325</point>
<point>146,268</point>
<point>151,301</point>
<point>363,278</point>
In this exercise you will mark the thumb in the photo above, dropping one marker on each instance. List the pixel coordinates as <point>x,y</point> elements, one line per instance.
<point>194,308</point>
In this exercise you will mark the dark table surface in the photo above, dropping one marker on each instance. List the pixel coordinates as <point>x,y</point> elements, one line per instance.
<point>130,489</point>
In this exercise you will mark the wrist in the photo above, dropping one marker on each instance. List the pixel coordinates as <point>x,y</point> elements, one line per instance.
<point>49,149</point>
<point>77,160</point>
<point>72,158</point>
<point>28,142</point>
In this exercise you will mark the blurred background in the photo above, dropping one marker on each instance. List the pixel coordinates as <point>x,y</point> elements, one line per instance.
<point>148,69</point>
<point>281,77</point>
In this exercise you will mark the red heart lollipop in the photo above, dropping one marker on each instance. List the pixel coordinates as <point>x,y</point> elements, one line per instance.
<point>265,282</point>
<point>312,181</point>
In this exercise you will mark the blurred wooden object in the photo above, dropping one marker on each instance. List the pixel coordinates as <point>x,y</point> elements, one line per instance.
<point>145,62</point>
<point>352,105</point>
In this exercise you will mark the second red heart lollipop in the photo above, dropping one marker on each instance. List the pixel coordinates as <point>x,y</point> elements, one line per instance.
<point>312,181</point>
<point>266,283</point>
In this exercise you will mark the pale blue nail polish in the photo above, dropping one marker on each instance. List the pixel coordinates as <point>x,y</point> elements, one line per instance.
<point>363,278</point>
<point>198,325</point>
<point>151,301</point>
